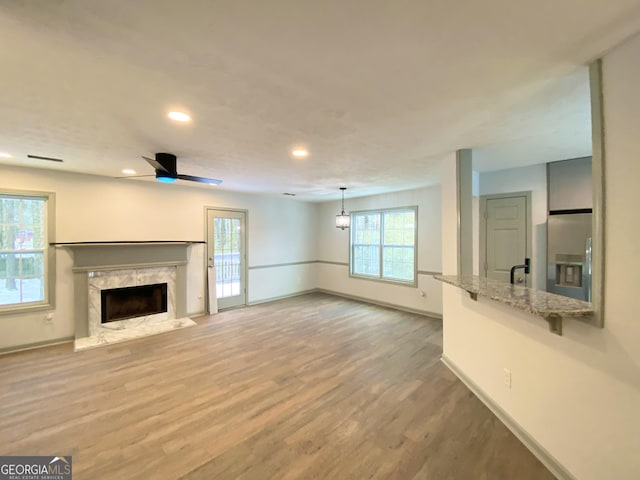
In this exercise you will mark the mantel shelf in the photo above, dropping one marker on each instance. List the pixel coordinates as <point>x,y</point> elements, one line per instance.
<point>551,307</point>
<point>125,242</point>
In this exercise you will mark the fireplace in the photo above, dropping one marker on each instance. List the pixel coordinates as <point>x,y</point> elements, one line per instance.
<point>137,283</point>
<point>131,302</point>
<point>109,317</point>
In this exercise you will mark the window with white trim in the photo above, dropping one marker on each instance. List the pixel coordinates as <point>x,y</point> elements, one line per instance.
<point>24,250</point>
<point>383,244</point>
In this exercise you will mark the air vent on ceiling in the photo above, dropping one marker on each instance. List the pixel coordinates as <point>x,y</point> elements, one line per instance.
<point>289,194</point>
<point>49,159</point>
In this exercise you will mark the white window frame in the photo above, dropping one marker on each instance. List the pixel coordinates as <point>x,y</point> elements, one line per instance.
<point>380,277</point>
<point>48,250</point>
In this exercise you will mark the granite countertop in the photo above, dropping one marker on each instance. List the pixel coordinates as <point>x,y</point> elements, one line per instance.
<point>549,306</point>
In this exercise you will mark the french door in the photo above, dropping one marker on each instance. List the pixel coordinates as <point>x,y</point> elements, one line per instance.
<point>226,249</point>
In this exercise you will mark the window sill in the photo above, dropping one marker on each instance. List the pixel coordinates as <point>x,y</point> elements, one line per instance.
<point>16,309</point>
<point>400,283</point>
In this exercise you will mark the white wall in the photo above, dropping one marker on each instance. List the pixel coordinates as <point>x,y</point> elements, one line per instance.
<point>91,208</point>
<point>333,246</point>
<point>577,395</point>
<point>525,179</point>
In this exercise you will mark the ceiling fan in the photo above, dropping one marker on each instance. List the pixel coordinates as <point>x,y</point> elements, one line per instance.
<point>166,168</point>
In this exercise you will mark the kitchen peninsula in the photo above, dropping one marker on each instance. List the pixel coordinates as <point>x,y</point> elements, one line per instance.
<point>551,307</point>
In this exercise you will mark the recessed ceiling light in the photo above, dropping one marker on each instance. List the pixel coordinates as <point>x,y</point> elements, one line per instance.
<point>300,152</point>
<point>129,171</point>
<point>5,155</point>
<point>179,116</point>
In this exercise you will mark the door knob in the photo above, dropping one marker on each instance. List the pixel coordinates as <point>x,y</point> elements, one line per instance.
<point>520,279</point>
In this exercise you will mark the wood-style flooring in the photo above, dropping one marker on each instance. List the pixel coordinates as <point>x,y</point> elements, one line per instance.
<point>312,387</point>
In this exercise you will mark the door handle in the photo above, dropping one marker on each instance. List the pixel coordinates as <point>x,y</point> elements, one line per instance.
<point>520,280</point>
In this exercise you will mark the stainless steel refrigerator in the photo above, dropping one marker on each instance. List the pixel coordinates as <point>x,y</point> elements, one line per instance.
<point>569,254</point>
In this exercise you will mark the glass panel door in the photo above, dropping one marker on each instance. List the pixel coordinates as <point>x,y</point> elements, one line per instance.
<point>226,248</point>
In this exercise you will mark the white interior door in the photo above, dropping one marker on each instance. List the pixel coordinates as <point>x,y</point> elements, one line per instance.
<point>226,247</point>
<point>505,237</point>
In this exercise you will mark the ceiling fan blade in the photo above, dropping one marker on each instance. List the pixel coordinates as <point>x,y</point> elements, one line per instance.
<point>135,176</point>
<point>191,178</point>
<point>155,164</point>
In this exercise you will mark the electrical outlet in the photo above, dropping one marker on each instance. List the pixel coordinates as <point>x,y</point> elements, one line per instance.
<point>507,378</point>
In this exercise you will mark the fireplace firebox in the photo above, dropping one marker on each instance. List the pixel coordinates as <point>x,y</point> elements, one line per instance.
<point>132,302</point>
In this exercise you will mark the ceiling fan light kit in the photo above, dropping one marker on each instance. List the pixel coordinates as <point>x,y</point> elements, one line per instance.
<point>165,165</point>
<point>165,177</point>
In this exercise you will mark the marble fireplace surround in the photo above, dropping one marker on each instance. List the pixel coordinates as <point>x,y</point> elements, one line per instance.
<point>98,265</point>
<point>131,277</point>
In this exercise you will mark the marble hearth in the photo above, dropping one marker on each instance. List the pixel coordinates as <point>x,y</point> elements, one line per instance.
<point>103,266</point>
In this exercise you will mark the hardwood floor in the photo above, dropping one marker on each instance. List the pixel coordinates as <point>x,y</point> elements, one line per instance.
<point>312,387</point>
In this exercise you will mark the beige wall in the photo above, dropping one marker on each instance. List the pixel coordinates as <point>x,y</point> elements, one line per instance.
<point>333,246</point>
<point>91,208</point>
<point>577,395</point>
<point>281,231</point>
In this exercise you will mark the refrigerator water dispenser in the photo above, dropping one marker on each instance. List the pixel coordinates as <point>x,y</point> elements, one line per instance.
<point>568,275</point>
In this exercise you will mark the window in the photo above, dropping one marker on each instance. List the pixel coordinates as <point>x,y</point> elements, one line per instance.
<point>383,244</point>
<point>25,261</point>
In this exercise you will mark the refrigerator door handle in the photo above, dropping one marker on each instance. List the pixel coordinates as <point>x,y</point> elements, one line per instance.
<point>587,269</point>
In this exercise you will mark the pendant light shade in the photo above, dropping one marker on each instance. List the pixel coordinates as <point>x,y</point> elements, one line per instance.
<point>343,220</point>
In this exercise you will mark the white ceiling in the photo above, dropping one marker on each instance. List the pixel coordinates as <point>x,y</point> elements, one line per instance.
<point>379,90</point>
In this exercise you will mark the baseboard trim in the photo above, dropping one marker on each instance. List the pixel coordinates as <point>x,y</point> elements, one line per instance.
<point>531,443</point>
<point>32,346</point>
<point>417,311</point>
<point>425,313</point>
<point>281,297</point>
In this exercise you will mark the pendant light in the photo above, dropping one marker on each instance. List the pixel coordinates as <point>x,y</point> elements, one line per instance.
<point>343,220</point>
